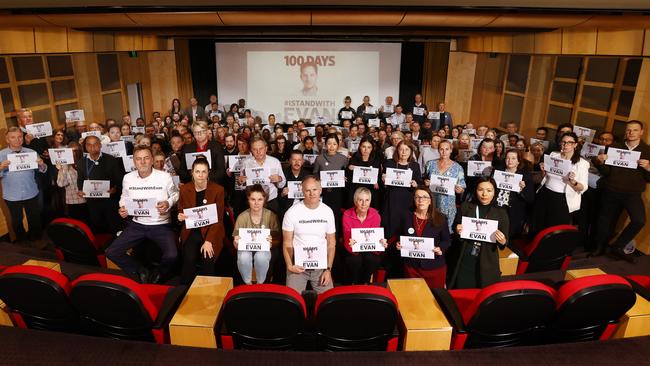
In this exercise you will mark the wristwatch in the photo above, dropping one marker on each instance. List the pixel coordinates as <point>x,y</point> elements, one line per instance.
<point>329,269</point>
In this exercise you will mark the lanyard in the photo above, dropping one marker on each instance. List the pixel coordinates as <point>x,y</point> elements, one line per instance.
<point>477,216</point>
<point>90,165</point>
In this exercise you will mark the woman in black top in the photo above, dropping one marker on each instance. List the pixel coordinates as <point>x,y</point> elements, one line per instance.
<point>477,263</point>
<point>365,156</point>
<point>516,202</point>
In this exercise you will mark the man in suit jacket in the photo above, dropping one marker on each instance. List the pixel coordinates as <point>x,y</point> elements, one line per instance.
<point>202,143</point>
<point>195,112</point>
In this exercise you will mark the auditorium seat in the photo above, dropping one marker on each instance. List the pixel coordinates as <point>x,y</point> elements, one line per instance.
<point>588,308</point>
<point>263,316</point>
<point>76,243</point>
<point>38,298</point>
<point>117,307</point>
<point>551,249</point>
<point>357,318</point>
<point>504,314</point>
<point>640,283</point>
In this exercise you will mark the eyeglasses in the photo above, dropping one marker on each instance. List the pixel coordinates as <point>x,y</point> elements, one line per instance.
<point>567,143</point>
<point>422,198</point>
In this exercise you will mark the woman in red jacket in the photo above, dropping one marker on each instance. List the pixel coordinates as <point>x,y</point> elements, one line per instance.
<point>359,266</point>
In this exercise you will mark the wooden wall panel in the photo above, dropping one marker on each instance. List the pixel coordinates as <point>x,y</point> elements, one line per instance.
<point>128,42</point>
<point>646,42</point>
<point>541,75</point>
<point>80,41</point>
<point>579,41</point>
<point>50,39</point>
<point>502,44</point>
<point>183,70</point>
<point>487,90</point>
<point>17,40</point>
<point>88,86</point>
<point>460,85</point>
<point>523,43</point>
<point>548,42</point>
<point>434,79</point>
<point>103,42</point>
<point>471,44</point>
<point>620,42</point>
<point>164,85</point>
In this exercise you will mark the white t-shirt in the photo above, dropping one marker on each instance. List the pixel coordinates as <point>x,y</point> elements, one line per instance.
<point>158,185</point>
<point>309,226</point>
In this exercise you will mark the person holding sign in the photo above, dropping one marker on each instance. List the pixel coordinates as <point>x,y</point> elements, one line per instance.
<point>201,244</point>
<point>66,178</point>
<point>347,112</point>
<point>486,153</point>
<point>202,143</point>
<point>309,240</point>
<point>294,173</point>
<point>270,164</point>
<point>256,217</point>
<point>146,182</point>
<point>560,195</point>
<point>103,216</point>
<point>20,187</point>
<point>395,197</point>
<point>446,203</point>
<point>515,197</point>
<point>366,156</point>
<point>332,160</point>
<point>477,261</point>
<point>622,188</point>
<point>360,265</point>
<point>426,222</point>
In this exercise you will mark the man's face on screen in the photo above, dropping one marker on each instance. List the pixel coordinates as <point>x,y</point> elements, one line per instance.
<point>309,77</point>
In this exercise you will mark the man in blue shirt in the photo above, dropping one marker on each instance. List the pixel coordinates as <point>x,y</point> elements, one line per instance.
<point>20,189</point>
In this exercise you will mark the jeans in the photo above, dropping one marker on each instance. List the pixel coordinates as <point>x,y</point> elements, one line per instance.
<point>245,262</point>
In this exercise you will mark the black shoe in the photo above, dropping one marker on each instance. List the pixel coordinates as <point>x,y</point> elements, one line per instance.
<point>620,253</point>
<point>143,275</point>
<point>155,277</point>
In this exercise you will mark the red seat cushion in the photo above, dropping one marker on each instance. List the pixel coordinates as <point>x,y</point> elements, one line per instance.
<point>354,289</point>
<point>267,288</point>
<point>641,280</point>
<point>58,277</point>
<point>530,247</point>
<point>572,287</point>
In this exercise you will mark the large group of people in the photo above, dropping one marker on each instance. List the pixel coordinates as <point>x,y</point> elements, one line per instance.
<point>302,195</point>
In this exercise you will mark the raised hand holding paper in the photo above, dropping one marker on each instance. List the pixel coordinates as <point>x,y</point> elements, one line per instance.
<point>332,178</point>
<point>259,175</point>
<point>295,190</point>
<point>61,156</point>
<point>96,188</point>
<point>398,177</point>
<point>22,161</point>
<point>236,162</point>
<point>479,229</point>
<point>116,149</point>
<point>443,185</point>
<point>416,247</point>
<point>201,216</point>
<point>557,166</point>
<point>477,168</point>
<point>368,240</point>
<point>623,158</point>
<point>39,130</point>
<point>364,175</point>
<point>254,240</point>
<point>190,157</point>
<point>590,150</point>
<point>310,256</point>
<point>141,206</point>
<point>507,181</point>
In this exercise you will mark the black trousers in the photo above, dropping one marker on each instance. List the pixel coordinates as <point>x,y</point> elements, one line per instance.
<point>33,210</point>
<point>550,209</point>
<point>612,205</point>
<point>104,217</point>
<point>192,256</point>
<point>359,268</point>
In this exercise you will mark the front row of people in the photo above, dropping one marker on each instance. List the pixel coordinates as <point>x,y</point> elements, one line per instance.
<point>308,233</point>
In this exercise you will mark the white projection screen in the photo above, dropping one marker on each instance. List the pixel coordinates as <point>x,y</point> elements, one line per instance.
<point>306,80</point>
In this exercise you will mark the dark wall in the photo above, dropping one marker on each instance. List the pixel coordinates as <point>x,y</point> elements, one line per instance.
<point>410,74</point>
<point>203,61</point>
<point>204,71</point>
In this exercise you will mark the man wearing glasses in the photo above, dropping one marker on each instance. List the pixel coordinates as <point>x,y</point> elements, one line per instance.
<point>202,143</point>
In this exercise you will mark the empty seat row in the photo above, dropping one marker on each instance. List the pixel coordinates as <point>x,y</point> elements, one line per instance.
<point>94,304</point>
<point>528,312</point>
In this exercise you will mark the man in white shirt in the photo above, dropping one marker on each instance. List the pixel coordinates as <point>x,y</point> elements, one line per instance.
<point>309,239</point>
<point>146,183</point>
<point>208,107</point>
<point>273,166</point>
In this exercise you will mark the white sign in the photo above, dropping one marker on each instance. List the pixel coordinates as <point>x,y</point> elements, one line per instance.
<point>141,206</point>
<point>543,142</point>
<point>311,130</point>
<point>464,155</point>
<point>22,161</point>
<point>346,114</point>
<point>389,108</point>
<point>75,115</point>
<point>368,240</point>
<point>443,185</point>
<point>557,166</point>
<point>91,133</point>
<point>254,240</point>
<point>127,161</point>
<point>470,131</point>
<point>190,157</point>
<point>258,175</point>
<point>332,178</point>
<point>116,149</point>
<point>370,110</point>
<point>96,188</point>
<point>418,111</point>
<point>61,156</point>
<point>479,229</point>
<point>129,138</point>
<point>137,129</point>
<point>39,130</point>
<point>295,190</point>
<point>177,181</point>
<point>623,158</point>
<point>474,143</point>
<point>320,120</point>
<point>416,247</point>
<point>354,145</point>
<point>310,256</point>
<point>433,115</point>
<point>477,168</point>
<point>592,180</point>
<point>236,162</point>
<point>201,216</point>
<point>374,122</point>
<point>583,132</point>
<point>364,175</point>
<point>590,150</point>
<point>507,181</point>
<point>310,158</point>
<point>398,177</point>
